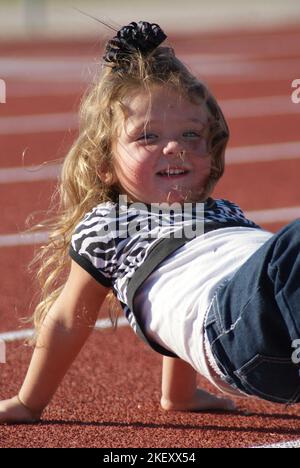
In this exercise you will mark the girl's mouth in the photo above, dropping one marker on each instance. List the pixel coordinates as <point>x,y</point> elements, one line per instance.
<point>173,173</point>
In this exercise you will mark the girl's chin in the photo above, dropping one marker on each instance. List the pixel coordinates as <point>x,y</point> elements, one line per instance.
<point>183,196</point>
<point>173,196</point>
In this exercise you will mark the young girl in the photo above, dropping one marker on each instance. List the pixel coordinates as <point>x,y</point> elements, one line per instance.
<point>201,284</point>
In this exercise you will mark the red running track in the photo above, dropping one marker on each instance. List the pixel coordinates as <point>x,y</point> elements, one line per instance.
<point>110,396</point>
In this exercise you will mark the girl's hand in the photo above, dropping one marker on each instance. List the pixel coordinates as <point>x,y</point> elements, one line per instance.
<point>12,411</point>
<point>201,401</point>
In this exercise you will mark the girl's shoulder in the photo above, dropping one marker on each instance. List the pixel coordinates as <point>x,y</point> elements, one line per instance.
<point>96,220</point>
<point>222,203</point>
<point>102,210</point>
<point>226,210</point>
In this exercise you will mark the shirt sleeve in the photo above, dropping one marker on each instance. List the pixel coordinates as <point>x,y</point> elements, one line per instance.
<point>93,247</point>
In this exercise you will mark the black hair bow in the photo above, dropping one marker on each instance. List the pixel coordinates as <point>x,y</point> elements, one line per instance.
<point>141,36</point>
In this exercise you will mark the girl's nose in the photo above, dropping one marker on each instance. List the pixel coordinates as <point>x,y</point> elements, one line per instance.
<point>172,147</point>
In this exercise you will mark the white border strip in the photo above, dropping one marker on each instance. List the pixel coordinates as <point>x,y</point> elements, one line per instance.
<point>9,337</point>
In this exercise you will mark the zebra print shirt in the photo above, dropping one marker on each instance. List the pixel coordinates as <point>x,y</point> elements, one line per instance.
<point>112,242</point>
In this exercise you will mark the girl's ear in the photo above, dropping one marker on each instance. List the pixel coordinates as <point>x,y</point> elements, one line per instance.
<point>106,175</point>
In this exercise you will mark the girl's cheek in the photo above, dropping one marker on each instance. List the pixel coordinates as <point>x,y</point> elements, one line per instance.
<point>135,175</point>
<point>200,148</point>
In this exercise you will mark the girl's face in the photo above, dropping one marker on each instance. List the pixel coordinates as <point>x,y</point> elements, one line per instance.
<point>161,136</point>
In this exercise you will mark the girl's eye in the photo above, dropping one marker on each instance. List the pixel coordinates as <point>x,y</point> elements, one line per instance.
<point>152,136</point>
<point>191,134</point>
<point>147,136</point>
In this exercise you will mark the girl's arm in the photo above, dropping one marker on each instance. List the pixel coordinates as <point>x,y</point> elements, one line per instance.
<point>64,331</point>
<point>180,392</point>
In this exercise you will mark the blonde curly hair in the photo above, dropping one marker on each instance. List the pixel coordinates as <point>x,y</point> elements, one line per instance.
<point>81,186</point>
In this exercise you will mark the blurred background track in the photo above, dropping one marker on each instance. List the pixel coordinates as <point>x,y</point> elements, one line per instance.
<point>56,18</point>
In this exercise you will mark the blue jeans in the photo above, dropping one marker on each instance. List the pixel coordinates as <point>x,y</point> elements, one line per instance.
<point>254,319</point>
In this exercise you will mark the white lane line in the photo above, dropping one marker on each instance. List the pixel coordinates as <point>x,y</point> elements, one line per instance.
<point>9,337</point>
<point>263,70</point>
<point>233,109</point>
<point>18,125</point>
<point>29,89</point>
<point>47,69</point>
<point>265,152</point>
<point>288,444</point>
<point>12,175</point>
<point>235,155</point>
<point>12,68</point>
<point>81,69</point>
<point>257,107</point>
<point>17,335</point>
<point>14,240</point>
<point>276,215</point>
